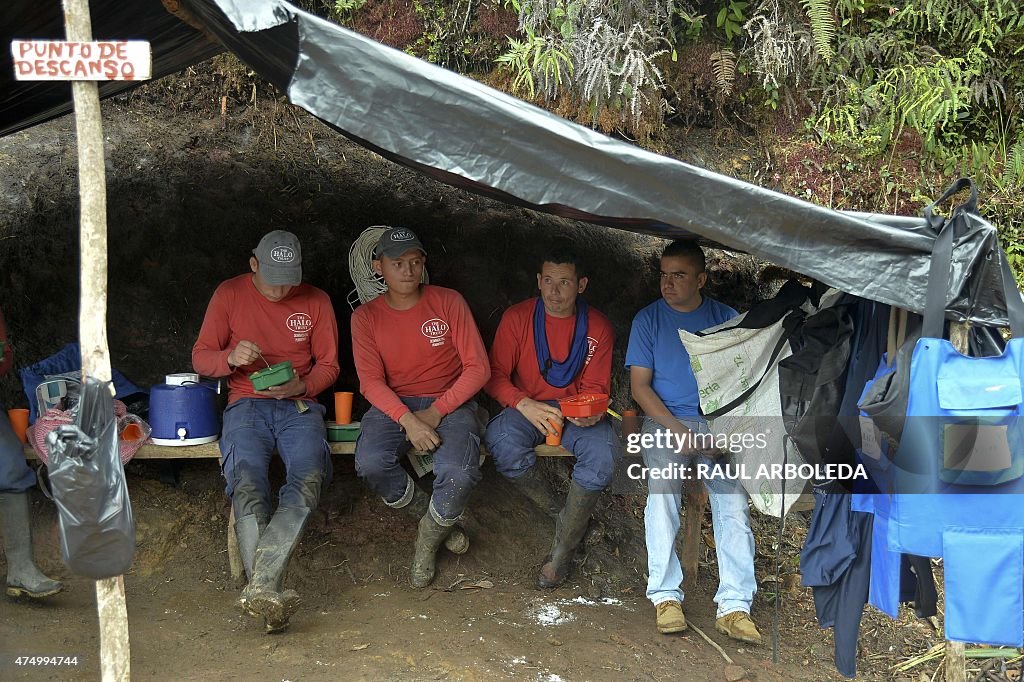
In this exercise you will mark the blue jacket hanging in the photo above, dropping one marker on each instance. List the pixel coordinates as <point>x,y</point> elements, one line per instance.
<point>961,449</point>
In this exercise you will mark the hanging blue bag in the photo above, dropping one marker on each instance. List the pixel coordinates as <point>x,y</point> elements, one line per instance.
<point>961,458</point>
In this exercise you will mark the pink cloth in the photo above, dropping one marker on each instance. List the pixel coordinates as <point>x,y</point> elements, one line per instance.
<point>36,434</point>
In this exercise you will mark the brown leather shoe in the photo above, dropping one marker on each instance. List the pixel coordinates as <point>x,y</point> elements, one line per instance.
<point>738,626</point>
<point>670,617</point>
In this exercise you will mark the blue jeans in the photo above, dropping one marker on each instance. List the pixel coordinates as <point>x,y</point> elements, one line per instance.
<point>253,429</point>
<point>382,444</point>
<point>730,517</point>
<point>511,438</point>
<point>15,474</point>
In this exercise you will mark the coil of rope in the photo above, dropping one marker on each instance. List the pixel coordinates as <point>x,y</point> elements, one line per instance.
<point>369,285</point>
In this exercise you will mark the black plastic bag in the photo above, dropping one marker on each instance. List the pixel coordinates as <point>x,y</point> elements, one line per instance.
<point>97,529</point>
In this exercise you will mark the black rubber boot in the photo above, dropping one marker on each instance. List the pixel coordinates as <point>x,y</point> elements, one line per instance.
<point>248,530</point>
<point>263,595</point>
<point>457,542</point>
<point>23,578</point>
<point>428,540</point>
<point>569,530</point>
<point>537,490</point>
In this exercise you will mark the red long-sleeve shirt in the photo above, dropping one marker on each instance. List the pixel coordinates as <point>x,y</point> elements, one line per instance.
<point>514,371</point>
<point>301,328</point>
<point>430,350</point>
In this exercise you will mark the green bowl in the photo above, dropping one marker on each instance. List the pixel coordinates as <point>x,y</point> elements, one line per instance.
<point>342,433</point>
<point>275,375</point>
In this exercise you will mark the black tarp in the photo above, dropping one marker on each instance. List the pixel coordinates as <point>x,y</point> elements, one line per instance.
<point>471,136</point>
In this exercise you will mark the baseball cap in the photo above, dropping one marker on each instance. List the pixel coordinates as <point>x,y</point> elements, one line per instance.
<point>395,241</point>
<point>280,258</point>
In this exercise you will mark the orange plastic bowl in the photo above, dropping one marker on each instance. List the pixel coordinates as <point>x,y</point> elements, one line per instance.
<point>584,405</point>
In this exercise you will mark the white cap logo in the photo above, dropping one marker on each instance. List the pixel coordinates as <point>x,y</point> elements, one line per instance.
<point>400,235</point>
<point>282,254</point>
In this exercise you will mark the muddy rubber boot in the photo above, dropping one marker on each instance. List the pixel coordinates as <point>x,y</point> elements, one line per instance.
<point>569,530</point>
<point>248,530</point>
<point>23,578</point>
<point>263,596</point>
<point>428,540</point>
<point>457,542</point>
<point>537,490</point>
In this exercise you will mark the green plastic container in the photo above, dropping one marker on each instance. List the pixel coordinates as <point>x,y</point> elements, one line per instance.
<point>342,433</point>
<point>275,375</point>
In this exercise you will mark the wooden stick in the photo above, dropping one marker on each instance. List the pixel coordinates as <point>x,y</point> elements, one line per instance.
<point>696,499</point>
<point>955,661</point>
<point>111,608</point>
<point>711,642</point>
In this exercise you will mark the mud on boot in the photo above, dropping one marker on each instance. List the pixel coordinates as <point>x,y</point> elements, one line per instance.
<point>429,538</point>
<point>248,530</point>
<point>275,608</point>
<point>569,530</point>
<point>263,596</point>
<point>536,488</point>
<point>23,578</point>
<point>457,541</point>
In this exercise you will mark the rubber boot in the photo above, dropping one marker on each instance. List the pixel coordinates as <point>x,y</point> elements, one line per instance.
<point>428,540</point>
<point>248,530</point>
<point>537,490</point>
<point>263,595</point>
<point>23,578</point>
<point>457,542</point>
<point>569,530</point>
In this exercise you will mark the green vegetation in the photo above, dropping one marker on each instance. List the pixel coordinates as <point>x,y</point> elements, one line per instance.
<point>894,99</point>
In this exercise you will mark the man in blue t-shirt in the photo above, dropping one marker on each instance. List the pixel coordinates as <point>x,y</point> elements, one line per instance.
<point>663,385</point>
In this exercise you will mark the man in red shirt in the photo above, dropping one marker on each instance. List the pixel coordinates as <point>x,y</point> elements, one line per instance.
<point>420,361</point>
<point>23,578</point>
<point>546,348</point>
<point>255,320</point>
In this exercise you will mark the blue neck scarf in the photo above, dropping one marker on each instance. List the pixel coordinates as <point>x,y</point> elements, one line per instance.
<point>560,374</point>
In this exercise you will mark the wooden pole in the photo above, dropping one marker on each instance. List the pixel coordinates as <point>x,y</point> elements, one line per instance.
<point>955,662</point>
<point>92,316</point>
<point>696,496</point>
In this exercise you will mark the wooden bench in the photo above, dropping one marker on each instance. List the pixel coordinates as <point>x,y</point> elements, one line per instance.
<point>212,451</point>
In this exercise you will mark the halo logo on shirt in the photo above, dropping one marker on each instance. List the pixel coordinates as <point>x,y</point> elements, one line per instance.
<point>300,324</point>
<point>435,329</point>
<point>592,345</point>
<point>282,254</point>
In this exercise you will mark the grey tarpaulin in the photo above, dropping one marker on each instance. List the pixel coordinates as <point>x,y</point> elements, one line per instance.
<point>471,136</point>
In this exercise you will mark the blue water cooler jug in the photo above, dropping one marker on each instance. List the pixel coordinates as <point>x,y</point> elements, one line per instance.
<point>183,411</point>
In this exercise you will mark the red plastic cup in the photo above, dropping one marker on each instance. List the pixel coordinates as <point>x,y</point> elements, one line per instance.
<point>19,422</point>
<point>132,431</point>
<point>556,437</point>
<point>343,407</point>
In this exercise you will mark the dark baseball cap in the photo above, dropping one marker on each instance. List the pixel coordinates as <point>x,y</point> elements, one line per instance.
<point>280,258</point>
<point>395,241</point>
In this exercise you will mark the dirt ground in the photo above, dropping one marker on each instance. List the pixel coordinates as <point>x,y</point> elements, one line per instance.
<point>189,196</point>
<point>361,620</point>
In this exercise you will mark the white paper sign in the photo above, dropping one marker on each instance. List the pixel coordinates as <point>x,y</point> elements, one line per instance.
<point>61,60</point>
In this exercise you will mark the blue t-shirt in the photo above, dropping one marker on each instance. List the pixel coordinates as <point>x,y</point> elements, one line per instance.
<point>654,343</point>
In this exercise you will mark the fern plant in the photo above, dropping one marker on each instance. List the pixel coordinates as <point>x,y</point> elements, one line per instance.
<point>603,52</point>
<point>537,60</point>
<point>823,26</point>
